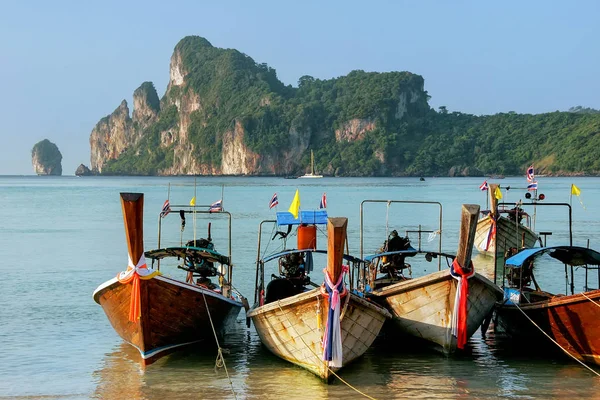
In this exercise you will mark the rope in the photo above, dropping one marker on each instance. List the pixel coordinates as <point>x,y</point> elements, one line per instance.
<point>556,343</point>
<point>220,362</point>
<point>583,294</point>
<point>317,356</point>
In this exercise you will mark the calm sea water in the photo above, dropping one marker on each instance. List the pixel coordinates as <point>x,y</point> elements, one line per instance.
<point>63,236</point>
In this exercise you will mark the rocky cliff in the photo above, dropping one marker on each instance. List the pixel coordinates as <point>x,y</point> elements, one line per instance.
<point>223,113</point>
<point>46,158</point>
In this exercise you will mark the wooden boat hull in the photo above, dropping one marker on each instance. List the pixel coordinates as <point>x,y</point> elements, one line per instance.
<point>506,236</point>
<point>173,314</point>
<point>423,307</point>
<point>292,329</point>
<point>572,321</point>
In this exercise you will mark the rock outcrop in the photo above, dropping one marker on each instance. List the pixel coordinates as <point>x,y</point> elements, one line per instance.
<point>146,105</point>
<point>83,170</point>
<point>224,114</point>
<point>46,158</point>
<point>111,136</point>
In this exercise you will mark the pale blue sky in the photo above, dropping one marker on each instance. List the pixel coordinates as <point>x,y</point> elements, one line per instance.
<point>66,64</point>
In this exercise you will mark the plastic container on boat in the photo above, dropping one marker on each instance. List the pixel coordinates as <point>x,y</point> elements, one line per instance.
<point>307,237</point>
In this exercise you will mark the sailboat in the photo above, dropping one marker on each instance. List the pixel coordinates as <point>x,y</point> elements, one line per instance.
<point>312,168</point>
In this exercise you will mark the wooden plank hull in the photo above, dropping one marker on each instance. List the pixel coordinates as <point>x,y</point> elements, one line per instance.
<point>506,236</point>
<point>293,329</point>
<point>173,314</point>
<point>423,307</point>
<point>572,321</point>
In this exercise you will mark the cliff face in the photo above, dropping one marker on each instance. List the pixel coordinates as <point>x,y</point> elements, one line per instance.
<point>110,137</point>
<point>222,113</point>
<point>46,158</point>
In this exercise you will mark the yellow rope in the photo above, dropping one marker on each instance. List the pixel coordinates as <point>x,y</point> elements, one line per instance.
<point>583,294</point>
<point>556,343</point>
<point>319,358</point>
<point>220,362</point>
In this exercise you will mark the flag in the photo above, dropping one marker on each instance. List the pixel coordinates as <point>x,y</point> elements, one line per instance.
<point>498,193</point>
<point>193,201</point>
<point>575,190</point>
<point>532,186</point>
<point>530,174</point>
<point>273,201</point>
<point>484,186</point>
<point>166,209</point>
<point>323,201</point>
<point>216,206</point>
<point>295,206</point>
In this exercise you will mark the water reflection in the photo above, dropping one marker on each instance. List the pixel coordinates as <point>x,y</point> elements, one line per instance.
<point>491,368</point>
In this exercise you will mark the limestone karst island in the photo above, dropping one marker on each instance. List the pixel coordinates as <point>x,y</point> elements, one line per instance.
<point>225,114</point>
<point>46,158</point>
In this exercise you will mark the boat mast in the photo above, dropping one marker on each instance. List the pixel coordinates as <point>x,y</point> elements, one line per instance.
<point>132,205</point>
<point>466,237</point>
<point>336,238</point>
<point>312,163</point>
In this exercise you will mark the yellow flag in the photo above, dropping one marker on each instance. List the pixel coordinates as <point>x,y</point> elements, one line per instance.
<point>193,201</point>
<point>295,206</point>
<point>575,190</point>
<point>498,193</point>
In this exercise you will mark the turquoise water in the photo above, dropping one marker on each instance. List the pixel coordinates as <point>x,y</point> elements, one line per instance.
<point>63,236</point>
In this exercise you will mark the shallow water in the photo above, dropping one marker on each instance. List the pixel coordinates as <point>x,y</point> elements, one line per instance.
<point>64,236</point>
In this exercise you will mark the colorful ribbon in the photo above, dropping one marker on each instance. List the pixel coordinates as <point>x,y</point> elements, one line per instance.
<point>491,233</point>
<point>460,314</point>
<point>133,274</point>
<point>332,338</point>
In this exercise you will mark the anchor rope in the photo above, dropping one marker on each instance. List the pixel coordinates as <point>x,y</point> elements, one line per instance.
<point>583,294</point>
<point>319,358</point>
<point>220,361</point>
<point>556,343</point>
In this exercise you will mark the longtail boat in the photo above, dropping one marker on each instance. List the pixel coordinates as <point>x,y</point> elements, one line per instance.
<point>157,314</point>
<point>536,317</point>
<point>320,328</point>
<point>504,228</point>
<point>442,309</point>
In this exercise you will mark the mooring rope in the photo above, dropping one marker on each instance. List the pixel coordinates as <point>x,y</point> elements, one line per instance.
<point>556,343</point>
<point>583,294</point>
<point>319,358</point>
<point>220,362</point>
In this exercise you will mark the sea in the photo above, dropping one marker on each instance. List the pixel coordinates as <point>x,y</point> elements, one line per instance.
<point>61,237</point>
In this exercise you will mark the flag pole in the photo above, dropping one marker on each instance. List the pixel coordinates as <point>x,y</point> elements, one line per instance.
<point>222,195</point>
<point>194,210</point>
<point>571,197</point>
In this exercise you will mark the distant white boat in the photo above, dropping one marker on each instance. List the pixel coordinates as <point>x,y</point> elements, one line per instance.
<point>312,168</point>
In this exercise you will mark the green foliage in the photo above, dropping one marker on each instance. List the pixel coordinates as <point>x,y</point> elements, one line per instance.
<point>406,137</point>
<point>147,90</point>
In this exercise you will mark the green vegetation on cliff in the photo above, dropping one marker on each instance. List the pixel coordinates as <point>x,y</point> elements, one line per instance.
<point>364,123</point>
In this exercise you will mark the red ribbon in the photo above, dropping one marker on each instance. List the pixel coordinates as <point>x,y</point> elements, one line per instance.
<point>463,276</point>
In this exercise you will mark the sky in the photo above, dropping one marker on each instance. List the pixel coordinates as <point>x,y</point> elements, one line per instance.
<point>66,64</point>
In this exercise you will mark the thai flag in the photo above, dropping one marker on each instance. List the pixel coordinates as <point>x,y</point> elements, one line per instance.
<point>166,209</point>
<point>323,201</point>
<point>273,201</point>
<point>532,186</point>
<point>484,186</point>
<point>530,175</point>
<point>216,206</point>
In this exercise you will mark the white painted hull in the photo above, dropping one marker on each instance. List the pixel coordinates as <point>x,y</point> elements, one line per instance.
<point>423,307</point>
<point>292,329</point>
<point>508,234</point>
